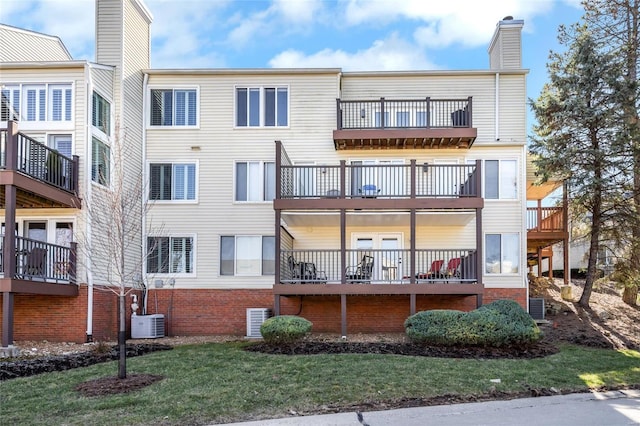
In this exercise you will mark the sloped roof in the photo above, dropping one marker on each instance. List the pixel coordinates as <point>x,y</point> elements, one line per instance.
<point>20,45</point>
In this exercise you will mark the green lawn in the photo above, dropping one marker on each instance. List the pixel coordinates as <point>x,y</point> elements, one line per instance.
<point>219,383</point>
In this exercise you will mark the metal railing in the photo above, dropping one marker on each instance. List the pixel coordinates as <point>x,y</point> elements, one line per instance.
<point>379,181</point>
<point>37,260</point>
<point>378,266</point>
<point>404,114</point>
<point>545,219</point>
<point>38,161</point>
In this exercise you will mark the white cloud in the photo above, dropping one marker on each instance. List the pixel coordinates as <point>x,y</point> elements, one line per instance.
<point>466,22</point>
<point>298,11</point>
<point>392,53</point>
<point>72,21</point>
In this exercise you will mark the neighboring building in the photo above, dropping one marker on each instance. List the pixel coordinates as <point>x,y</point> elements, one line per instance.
<point>350,198</point>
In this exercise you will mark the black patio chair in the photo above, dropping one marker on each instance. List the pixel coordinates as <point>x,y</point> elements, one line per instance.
<point>360,273</point>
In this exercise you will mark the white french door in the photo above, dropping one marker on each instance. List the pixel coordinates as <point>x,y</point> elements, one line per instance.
<point>377,178</point>
<point>385,247</point>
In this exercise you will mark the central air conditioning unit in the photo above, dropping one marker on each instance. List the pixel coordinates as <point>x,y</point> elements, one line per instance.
<point>255,318</point>
<point>147,326</point>
<point>536,308</point>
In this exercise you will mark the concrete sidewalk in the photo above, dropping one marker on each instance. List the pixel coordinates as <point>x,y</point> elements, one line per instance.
<point>616,408</point>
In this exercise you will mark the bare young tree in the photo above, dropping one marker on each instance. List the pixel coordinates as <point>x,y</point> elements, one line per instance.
<point>115,209</point>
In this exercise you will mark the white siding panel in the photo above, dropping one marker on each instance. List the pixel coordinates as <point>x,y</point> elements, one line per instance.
<point>17,45</point>
<point>513,109</point>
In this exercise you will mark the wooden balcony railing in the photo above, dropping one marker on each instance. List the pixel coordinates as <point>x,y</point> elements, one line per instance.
<point>32,158</point>
<point>37,260</point>
<point>545,219</point>
<point>379,181</point>
<point>378,266</point>
<point>404,114</point>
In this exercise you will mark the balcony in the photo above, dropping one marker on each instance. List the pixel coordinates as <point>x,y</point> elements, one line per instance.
<point>358,186</point>
<point>453,272</point>
<point>42,177</point>
<point>546,226</point>
<point>37,267</point>
<point>404,124</point>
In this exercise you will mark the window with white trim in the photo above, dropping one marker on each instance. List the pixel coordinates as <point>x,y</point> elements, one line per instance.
<point>502,253</point>
<point>262,106</point>
<point>100,162</point>
<point>172,181</point>
<point>247,255</point>
<point>255,181</point>
<point>170,255</point>
<point>101,113</point>
<point>500,179</point>
<point>10,106</point>
<point>37,102</point>
<point>173,107</point>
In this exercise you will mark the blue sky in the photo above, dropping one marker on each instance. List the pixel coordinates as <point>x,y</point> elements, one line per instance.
<point>350,34</point>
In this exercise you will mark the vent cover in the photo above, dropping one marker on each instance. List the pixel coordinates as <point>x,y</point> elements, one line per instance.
<point>255,318</point>
<point>147,326</point>
<point>536,308</point>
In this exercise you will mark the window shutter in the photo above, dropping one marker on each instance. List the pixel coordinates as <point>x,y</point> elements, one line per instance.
<point>192,108</point>
<point>67,105</point>
<point>42,116</point>
<point>181,107</point>
<point>56,104</point>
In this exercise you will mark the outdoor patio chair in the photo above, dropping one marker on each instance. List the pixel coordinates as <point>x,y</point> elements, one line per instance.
<point>453,268</point>
<point>360,273</point>
<point>434,272</point>
<point>294,269</point>
<point>311,274</point>
<point>35,262</point>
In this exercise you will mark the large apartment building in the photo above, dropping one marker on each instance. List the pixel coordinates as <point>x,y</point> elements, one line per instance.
<point>353,199</point>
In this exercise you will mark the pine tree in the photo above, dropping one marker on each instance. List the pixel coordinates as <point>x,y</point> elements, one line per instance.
<point>575,133</point>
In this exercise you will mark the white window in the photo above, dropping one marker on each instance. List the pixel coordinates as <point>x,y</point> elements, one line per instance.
<point>100,162</point>
<point>37,102</point>
<point>61,143</point>
<point>170,255</point>
<point>10,107</point>
<point>249,255</point>
<point>173,107</point>
<point>262,106</point>
<point>421,118</point>
<point>378,119</point>
<point>34,108</point>
<point>402,119</point>
<point>101,113</point>
<point>502,253</point>
<point>500,179</point>
<point>172,181</point>
<point>255,181</point>
<point>59,102</point>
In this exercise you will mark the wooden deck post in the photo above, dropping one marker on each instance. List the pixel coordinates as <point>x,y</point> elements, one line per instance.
<point>343,315</point>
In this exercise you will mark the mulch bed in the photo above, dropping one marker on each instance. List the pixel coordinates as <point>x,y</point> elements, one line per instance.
<point>115,385</point>
<point>537,350</point>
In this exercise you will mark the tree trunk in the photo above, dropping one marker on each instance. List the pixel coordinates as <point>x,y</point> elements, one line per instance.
<point>630,296</point>
<point>122,338</point>
<point>596,221</point>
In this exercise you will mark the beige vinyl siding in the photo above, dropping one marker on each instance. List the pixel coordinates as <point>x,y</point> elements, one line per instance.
<point>218,145</point>
<point>102,80</point>
<point>481,87</point>
<point>17,45</point>
<point>505,216</point>
<point>513,109</point>
<point>511,49</point>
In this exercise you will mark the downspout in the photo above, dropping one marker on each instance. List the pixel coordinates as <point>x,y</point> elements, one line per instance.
<point>145,81</point>
<point>87,177</point>
<point>497,105</point>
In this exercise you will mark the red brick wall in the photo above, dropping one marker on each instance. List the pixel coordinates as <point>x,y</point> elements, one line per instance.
<point>64,318</point>
<point>517,294</point>
<point>208,312</point>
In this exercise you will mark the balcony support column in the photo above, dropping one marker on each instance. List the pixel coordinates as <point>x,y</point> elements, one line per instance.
<point>343,315</point>
<point>479,238</point>
<point>7,319</point>
<point>412,233</point>
<point>412,303</point>
<point>343,246</point>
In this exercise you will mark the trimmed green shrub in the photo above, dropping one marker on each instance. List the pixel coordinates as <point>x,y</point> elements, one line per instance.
<point>499,323</point>
<point>285,329</point>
